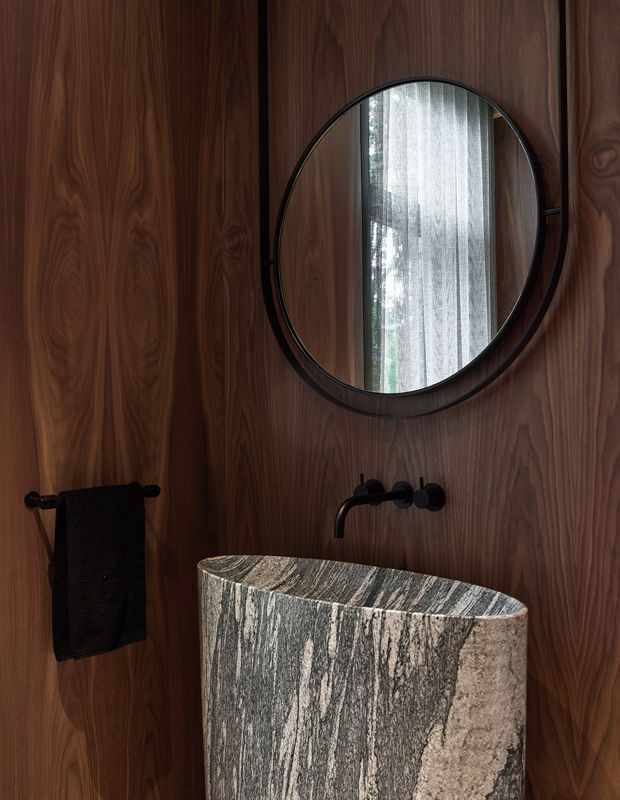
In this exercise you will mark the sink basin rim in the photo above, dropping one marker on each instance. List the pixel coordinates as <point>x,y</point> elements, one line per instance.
<point>513,608</point>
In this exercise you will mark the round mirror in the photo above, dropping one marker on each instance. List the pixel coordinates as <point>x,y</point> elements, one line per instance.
<point>407,237</point>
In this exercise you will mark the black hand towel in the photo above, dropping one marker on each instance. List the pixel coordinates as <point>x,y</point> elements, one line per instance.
<point>99,597</point>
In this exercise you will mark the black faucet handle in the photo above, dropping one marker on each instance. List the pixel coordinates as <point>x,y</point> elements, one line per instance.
<point>430,496</point>
<point>405,489</point>
<point>371,486</point>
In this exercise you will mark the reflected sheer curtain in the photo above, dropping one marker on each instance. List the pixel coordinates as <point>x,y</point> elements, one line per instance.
<point>429,289</point>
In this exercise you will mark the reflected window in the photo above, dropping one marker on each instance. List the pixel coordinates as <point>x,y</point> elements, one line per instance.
<point>428,238</point>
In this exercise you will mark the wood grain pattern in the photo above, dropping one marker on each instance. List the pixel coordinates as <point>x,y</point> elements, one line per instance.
<point>321,253</point>
<point>101,130</point>
<point>531,464</point>
<point>515,218</point>
<point>133,337</point>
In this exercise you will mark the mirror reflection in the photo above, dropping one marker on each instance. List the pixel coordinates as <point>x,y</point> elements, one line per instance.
<point>408,237</point>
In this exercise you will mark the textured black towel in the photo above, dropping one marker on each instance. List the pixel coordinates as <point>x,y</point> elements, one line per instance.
<point>99,598</point>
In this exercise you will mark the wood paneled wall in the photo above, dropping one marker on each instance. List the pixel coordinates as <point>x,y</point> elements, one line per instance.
<point>323,228</point>
<point>531,465</point>
<point>515,218</point>
<point>101,131</point>
<point>134,344</point>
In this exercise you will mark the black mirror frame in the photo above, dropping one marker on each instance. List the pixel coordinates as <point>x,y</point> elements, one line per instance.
<point>514,334</point>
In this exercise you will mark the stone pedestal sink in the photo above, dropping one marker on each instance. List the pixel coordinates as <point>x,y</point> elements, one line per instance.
<point>331,681</point>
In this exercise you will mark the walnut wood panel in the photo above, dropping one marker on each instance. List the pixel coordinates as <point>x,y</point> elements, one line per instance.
<point>321,253</point>
<point>531,464</point>
<point>210,290</point>
<point>515,218</point>
<point>100,134</point>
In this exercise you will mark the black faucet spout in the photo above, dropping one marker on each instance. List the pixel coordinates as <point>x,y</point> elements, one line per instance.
<point>399,495</point>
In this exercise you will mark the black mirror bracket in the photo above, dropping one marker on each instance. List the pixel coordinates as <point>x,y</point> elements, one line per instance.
<point>523,321</point>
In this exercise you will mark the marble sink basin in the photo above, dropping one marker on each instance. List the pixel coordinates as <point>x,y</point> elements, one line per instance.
<point>330,681</point>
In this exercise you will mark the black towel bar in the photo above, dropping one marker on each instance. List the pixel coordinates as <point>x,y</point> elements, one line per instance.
<point>44,501</point>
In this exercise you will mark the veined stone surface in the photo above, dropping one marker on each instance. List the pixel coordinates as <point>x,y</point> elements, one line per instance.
<point>330,681</point>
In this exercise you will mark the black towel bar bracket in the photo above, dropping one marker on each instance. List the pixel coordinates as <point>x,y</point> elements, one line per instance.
<point>45,501</point>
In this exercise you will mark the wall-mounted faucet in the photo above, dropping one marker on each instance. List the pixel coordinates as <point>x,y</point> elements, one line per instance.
<point>371,492</point>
